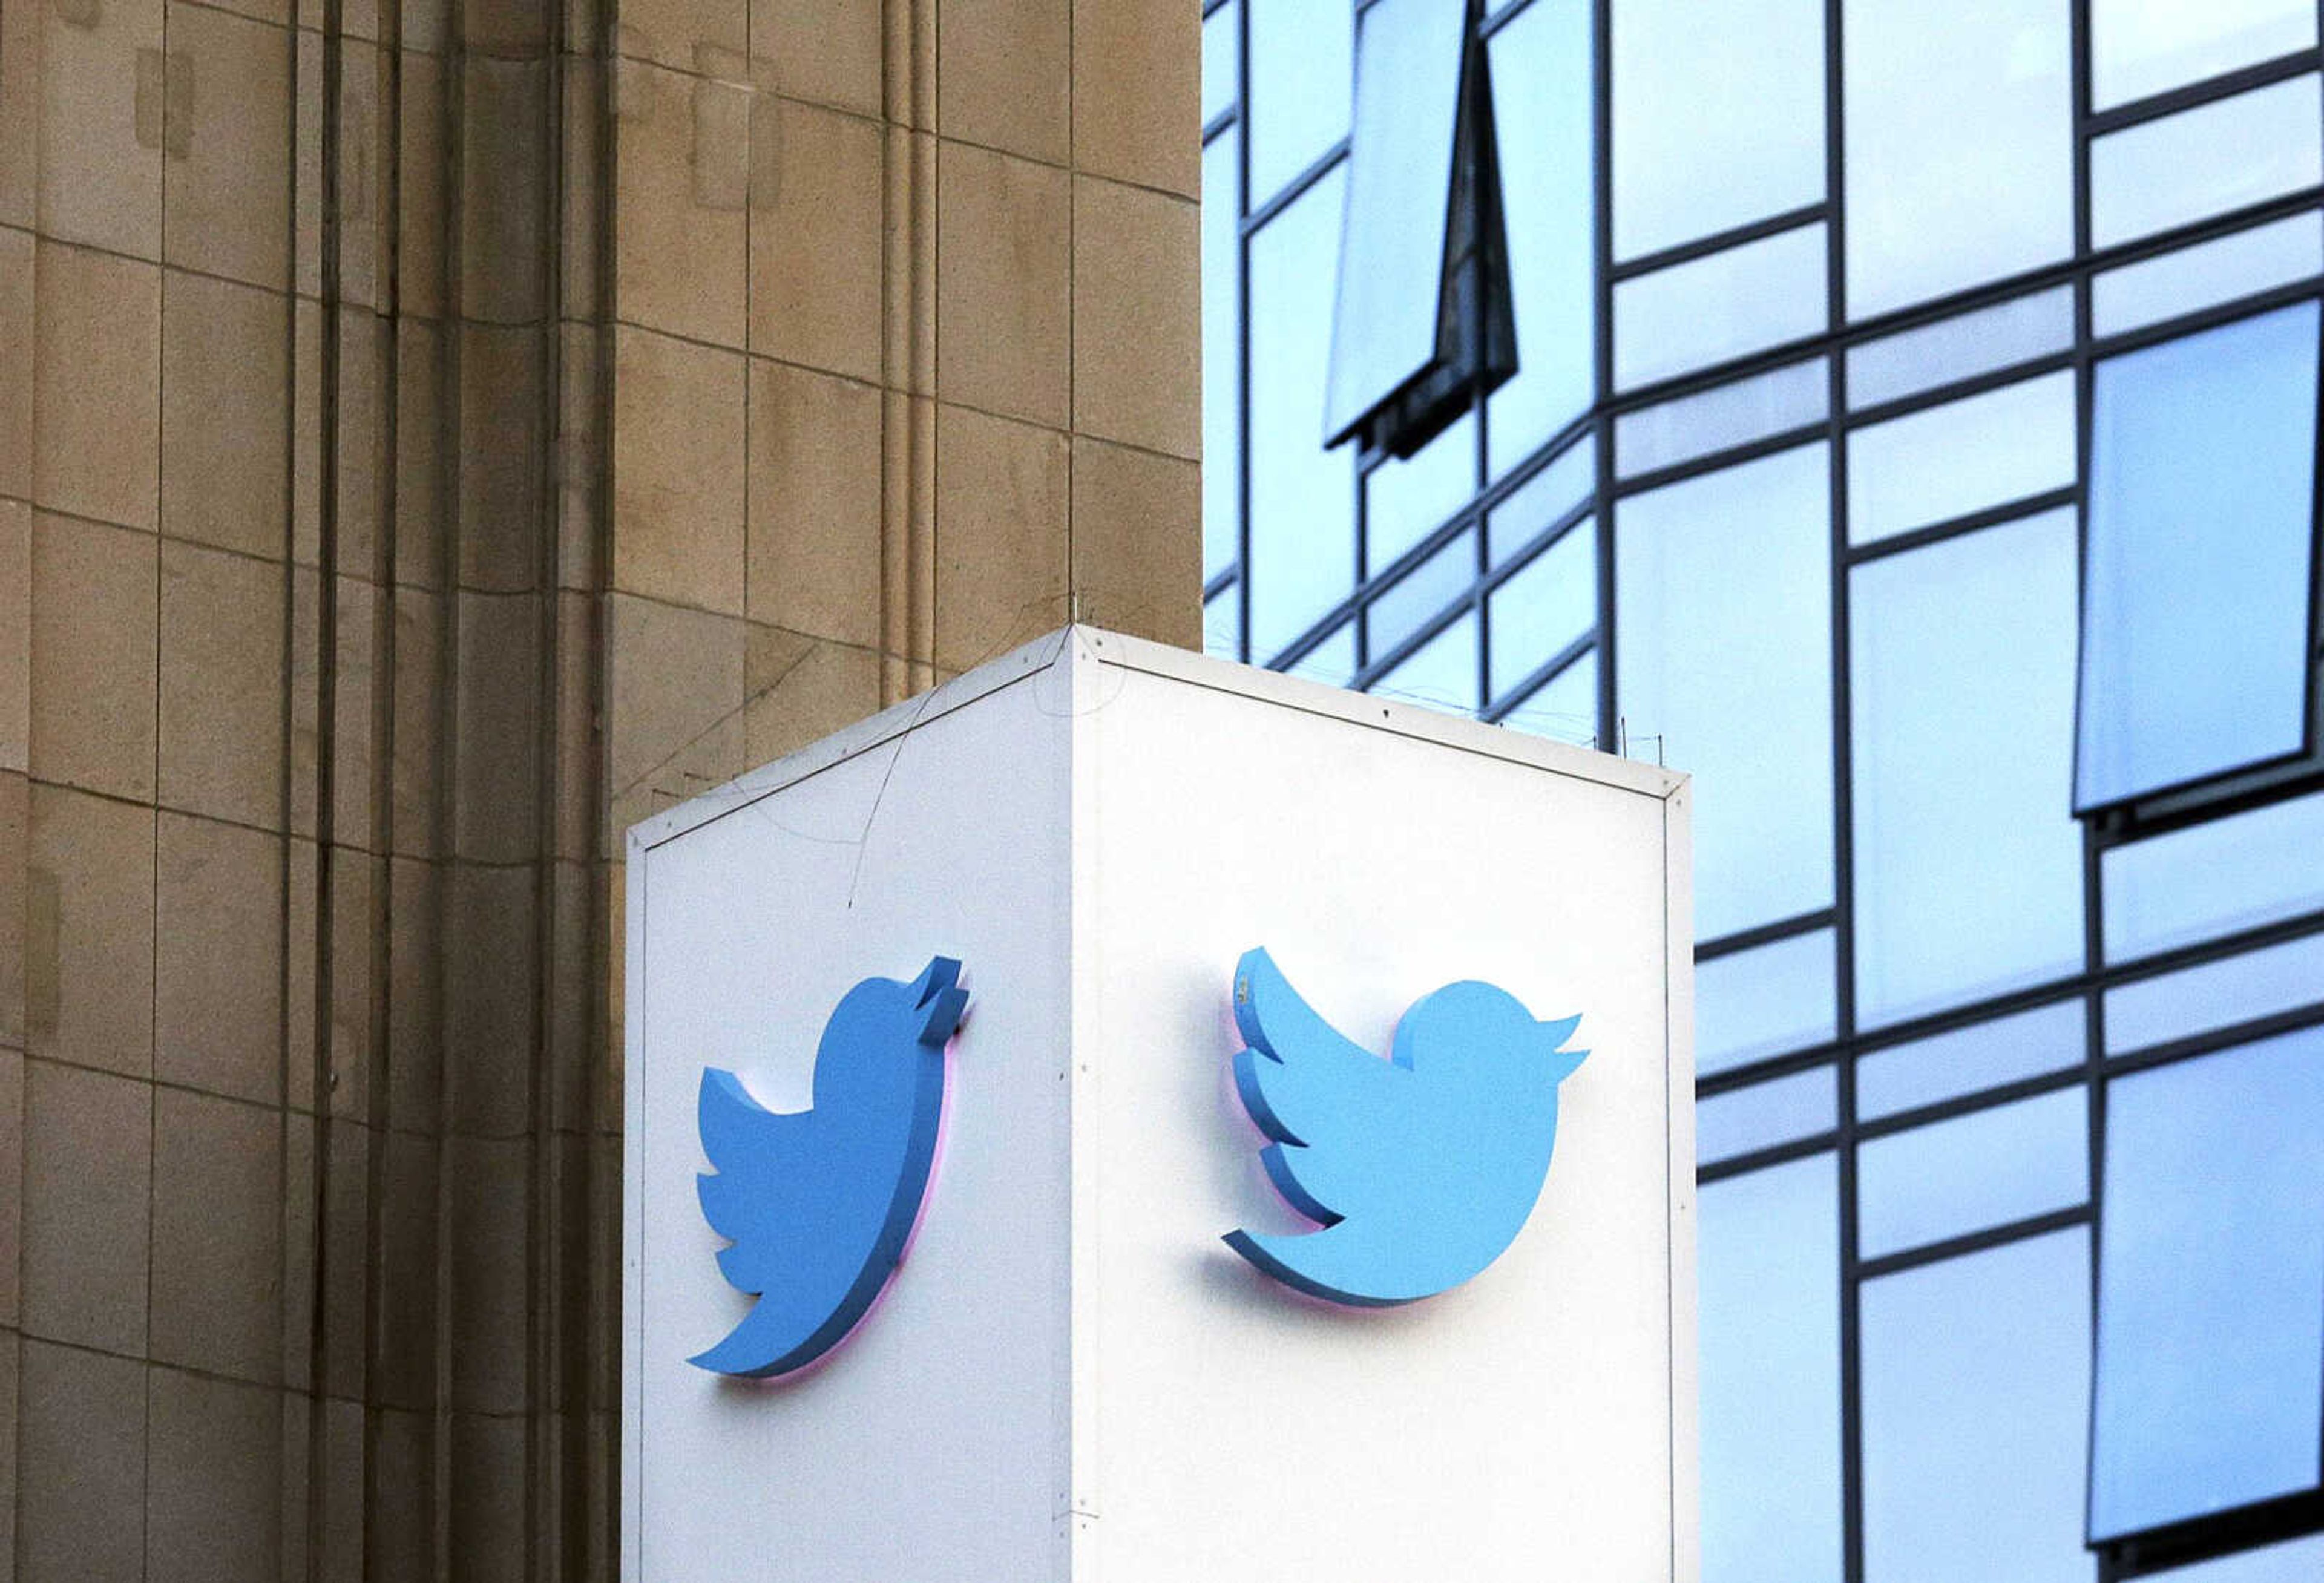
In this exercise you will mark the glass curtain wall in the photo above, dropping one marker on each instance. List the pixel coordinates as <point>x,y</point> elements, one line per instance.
<point>1913,438</point>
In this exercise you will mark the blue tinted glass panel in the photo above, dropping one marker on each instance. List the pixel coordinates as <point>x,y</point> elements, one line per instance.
<point>1222,625</point>
<point>1544,607</point>
<point>1302,66</point>
<point>2295,1561</point>
<point>2138,48</point>
<point>1691,314</point>
<point>1753,1004</point>
<point>2221,271</point>
<point>1718,419</point>
<point>2201,540</point>
<point>1976,1380</point>
<point>1724,654</point>
<point>1768,1271</point>
<point>1222,356</point>
<point>1765,1114</point>
<point>2214,878</point>
<point>1563,709</point>
<point>2204,161</point>
<point>1542,122</point>
<point>1959,141</point>
<point>1405,607</point>
<point>1399,190</point>
<point>1219,47</point>
<point>1960,347</point>
<point>1541,500</point>
<point>1302,528</point>
<point>2210,1285</point>
<point>1332,661</point>
<point>1926,1072</point>
<point>1718,116</point>
<point>1984,1169</point>
<point>2218,994</point>
<point>1963,457</point>
<point>1969,867</point>
<point>1441,675</point>
<point>1404,500</point>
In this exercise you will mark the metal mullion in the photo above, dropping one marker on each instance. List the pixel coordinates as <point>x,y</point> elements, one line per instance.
<point>1981,1241</point>
<point>2093,125</point>
<point>1973,1103</point>
<point>1702,247</point>
<point>1602,352</point>
<point>1975,384</point>
<point>1758,934</point>
<point>1219,125</point>
<point>2212,1041</point>
<point>1512,698</point>
<point>2213,1535</point>
<point>1719,461</point>
<point>1371,670</point>
<point>1243,336</point>
<point>1291,191</point>
<point>1761,1159</point>
<point>1766,1069</point>
<point>1534,548</point>
<point>1897,544</point>
<point>2208,318</point>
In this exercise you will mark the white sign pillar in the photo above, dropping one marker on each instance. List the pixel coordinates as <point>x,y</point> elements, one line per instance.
<point>1071,1377</point>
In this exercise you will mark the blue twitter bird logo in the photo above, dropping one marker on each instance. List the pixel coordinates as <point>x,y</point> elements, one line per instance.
<point>1421,1169</point>
<point>818,1203</point>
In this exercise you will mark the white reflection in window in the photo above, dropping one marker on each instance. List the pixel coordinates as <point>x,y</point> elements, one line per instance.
<point>2138,47</point>
<point>2204,161</point>
<point>1962,456</point>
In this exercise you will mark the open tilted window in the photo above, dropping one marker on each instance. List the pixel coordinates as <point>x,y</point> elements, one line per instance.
<point>1422,325</point>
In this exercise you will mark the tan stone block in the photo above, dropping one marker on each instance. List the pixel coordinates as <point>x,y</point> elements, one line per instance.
<point>585,203</point>
<point>1137,318</point>
<point>505,189</point>
<point>803,689</point>
<point>227,198</point>
<point>491,1236</point>
<point>212,1480</point>
<point>104,85</point>
<point>225,374</point>
<point>1001,539</point>
<point>11,1204</point>
<point>504,415</point>
<point>218,969</point>
<point>92,656</point>
<point>676,32</point>
<point>496,815</point>
<point>419,408</point>
<point>1002,75</point>
<point>677,470</point>
<point>1002,257</point>
<point>826,51</point>
<point>681,260</point>
<point>814,504</point>
<point>15,636</point>
<point>356,878</point>
<point>17,352</point>
<point>421,208</point>
<point>415,1015</point>
<point>16,794</point>
<point>222,678</point>
<point>416,768</point>
<point>363,173</point>
<point>490,984</point>
<point>489,1488</point>
<point>21,27</point>
<point>306,436</point>
<point>362,632</point>
<point>1138,92</point>
<point>362,436</point>
<point>675,709</point>
<point>88,1185</point>
<point>218,1235</point>
<point>89,931</point>
<point>96,363</point>
<point>303,883</point>
<point>81,1463</point>
<point>306,697</point>
<point>816,237</point>
<point>1137,542</point>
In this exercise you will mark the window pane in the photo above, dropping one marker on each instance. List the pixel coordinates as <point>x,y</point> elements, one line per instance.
<point>1984,1169</point>
<point>1404,501</point>
<point>2201,536</point>
<point>1302,528</point>
<point>1925,1072</point>
<point>1718,419</point>
<point>1406,605</point>
<point>1219,44</point>
<point>2218,994</point>
<point>2138,48</point>
<point>1960,347</point>
<point>1966,884</point>
<point>2194,278</point>
<point>2214,878</point>
<point>1693,315</point>
<point>1963,457</point>
<point>1976,1377</point>
<point>1718,116</point>
<point>1399,190</point>
<point>1542,499</point>
<point>1332,661</point>
<point>1542,123</point>
<point>2295,1561</point>
<point>1765,1114</point>
<point>1960,133</point>
<point>2211,1327</point>
<point>1222,625</point>
<point>1221,355</point>
<point>1442,674</point>
<point>1724,653</point>
<point>1768,1273</point>
<point>2204,161</point>
<point>1302,62</point>
<point>1772,998</point>
<point>1564,709</point>
<point>1544,607</point>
